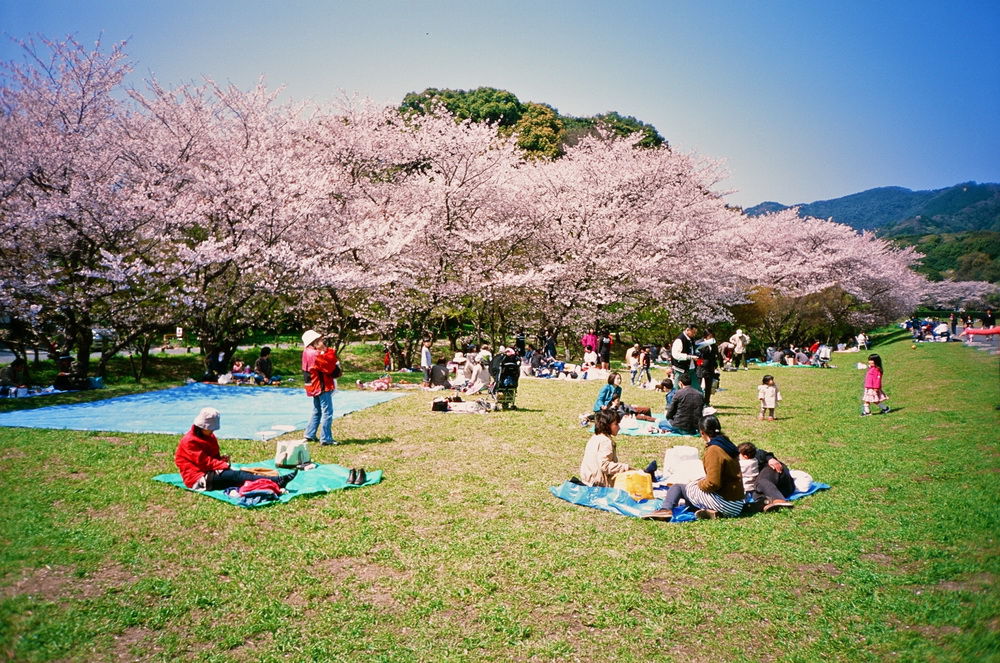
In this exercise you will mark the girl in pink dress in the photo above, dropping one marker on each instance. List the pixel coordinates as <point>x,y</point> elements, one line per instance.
<point>873,387</point>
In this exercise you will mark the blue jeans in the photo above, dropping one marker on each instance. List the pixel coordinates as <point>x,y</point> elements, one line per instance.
<point>322,415</point>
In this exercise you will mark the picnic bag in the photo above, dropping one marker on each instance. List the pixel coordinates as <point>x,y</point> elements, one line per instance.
<point>291,453</point>
<point>636,483</point>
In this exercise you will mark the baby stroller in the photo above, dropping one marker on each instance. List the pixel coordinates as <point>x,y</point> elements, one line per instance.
<point>505,382</point>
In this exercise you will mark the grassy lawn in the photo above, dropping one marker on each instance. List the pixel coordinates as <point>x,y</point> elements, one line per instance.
<point>462,553</point>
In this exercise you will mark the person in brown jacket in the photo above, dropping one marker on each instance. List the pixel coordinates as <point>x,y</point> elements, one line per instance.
<point>720,492</point>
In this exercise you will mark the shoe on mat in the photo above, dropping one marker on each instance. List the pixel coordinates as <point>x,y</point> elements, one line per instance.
<point>706,514</point>
<point>660,514</point>
<point>775,505</point>
<point>352,476</point>
<point>360,478</point>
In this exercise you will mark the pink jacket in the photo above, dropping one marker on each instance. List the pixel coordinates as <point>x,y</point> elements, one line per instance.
<point>873,378</point>
<point>589,339</point>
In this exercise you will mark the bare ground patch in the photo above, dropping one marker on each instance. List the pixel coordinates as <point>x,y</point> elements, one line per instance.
<point>663,587</point>
<point>135,638</point>
<point>57,583</point>
<point>815,578</point>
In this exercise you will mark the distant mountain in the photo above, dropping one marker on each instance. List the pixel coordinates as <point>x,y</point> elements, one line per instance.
<point>895,210</point>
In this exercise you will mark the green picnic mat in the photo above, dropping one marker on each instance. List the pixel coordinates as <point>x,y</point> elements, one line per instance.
<point>322,479</point>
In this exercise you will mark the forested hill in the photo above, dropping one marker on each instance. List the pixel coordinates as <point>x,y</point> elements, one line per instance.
<point>896,211</point>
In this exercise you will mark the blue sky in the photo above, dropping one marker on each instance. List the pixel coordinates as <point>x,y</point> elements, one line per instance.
<point>802,100</point>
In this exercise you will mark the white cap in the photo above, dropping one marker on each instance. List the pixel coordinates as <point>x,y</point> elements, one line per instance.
<point>208,419</point>
<point>310,337</point>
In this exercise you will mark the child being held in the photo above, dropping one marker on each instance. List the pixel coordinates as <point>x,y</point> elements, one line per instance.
<point>768,395</point>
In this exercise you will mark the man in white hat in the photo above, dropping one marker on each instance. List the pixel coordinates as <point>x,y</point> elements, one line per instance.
<point>202,465</point>
<point>740,343</point>
<point>318,365</point>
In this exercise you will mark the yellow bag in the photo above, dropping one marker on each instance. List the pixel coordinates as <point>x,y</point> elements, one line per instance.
<point>636,483</point>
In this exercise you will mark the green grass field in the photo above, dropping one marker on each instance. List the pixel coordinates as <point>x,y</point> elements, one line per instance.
<point>461,554</point>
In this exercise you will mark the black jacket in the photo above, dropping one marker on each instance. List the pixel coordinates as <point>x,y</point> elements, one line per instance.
<point>685,409</point>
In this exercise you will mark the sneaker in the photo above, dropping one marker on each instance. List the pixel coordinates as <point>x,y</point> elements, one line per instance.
<point>310,439</point>
<point>770,418</point>
<point>706,514</point>
<point>775,505</point>
<point>660,514</point>
<point>866,414</point>
<point>885,410</point>
<point>328,443</point>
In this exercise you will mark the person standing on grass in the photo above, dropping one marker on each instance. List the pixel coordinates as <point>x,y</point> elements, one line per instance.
<point>768,395</point>
<point>741,342</point>
<point>682,355</point>
<point>873,387</point>
<point>708,362</point>
<point>589,340</point>
<point>319,362</point>
<point>604,343</point>
<point>426,361</point>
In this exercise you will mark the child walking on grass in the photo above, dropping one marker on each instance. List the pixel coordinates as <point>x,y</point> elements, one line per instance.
<point>873,387</point>
<point>768,395</point>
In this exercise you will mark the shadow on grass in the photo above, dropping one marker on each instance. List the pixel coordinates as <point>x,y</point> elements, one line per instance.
<point>888,336</point>
<point>357,440</point>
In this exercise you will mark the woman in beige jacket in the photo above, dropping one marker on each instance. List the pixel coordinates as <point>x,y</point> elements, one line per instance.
<point>600,458</point>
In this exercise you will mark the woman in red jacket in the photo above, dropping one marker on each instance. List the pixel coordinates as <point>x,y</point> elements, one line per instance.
<point>202,465</point>
<point>319,363</point>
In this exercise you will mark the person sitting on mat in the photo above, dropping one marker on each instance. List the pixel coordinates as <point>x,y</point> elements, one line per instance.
<point>766,477</point>
<point>600,459</point>
<point>610,398</point>
<point>685,409</point>
<point>720,493</point>
<point>202,465</point>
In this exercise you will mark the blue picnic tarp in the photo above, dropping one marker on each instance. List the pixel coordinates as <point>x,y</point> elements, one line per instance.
<point>245,410</point>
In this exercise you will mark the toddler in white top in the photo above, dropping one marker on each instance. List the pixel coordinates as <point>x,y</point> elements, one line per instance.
<point>768,395</point>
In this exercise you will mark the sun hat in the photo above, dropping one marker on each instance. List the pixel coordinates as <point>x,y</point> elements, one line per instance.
<point>310,337</point>
<point>208,419</point>
<point>459,358</point>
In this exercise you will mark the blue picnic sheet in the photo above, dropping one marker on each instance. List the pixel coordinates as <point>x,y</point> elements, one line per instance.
<point>620,502</point>
<point>245,410</point>
<point>321,479</point>
<point>640,428</point>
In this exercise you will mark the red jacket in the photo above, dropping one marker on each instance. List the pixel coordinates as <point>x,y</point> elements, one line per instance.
<point>321,373</point>
<point>196,456</point>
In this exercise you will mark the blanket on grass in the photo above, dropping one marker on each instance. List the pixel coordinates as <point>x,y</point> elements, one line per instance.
<point>322,479</point>
<point>783,365</point>
<point>641,428</point>
<point>620,502</point>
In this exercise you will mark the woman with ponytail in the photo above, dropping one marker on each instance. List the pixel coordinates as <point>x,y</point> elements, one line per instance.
<point>720,493</point>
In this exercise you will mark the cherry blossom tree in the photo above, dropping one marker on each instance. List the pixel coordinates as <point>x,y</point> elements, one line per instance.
<point>955,294</point>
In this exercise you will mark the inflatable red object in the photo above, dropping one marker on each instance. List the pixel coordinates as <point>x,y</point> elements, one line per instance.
<point>969,331</point>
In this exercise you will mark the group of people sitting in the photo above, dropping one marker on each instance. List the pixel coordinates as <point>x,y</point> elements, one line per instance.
<point>816,354</point>
<point>738,480</point>
<point>262,371</point>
